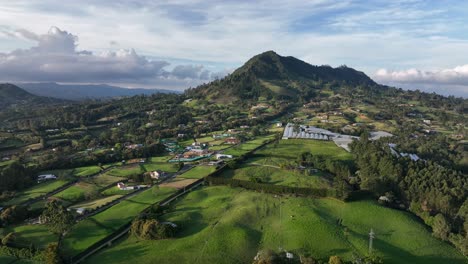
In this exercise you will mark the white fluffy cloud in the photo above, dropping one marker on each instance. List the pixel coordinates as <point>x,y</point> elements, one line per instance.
<point>56,58</point>
<point>457,76</point>
<point>447,81</point>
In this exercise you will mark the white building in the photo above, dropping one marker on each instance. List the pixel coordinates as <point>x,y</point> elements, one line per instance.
<point>46,177</point>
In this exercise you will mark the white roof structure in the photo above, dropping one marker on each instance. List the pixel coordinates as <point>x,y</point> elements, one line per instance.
<point>306,132</point>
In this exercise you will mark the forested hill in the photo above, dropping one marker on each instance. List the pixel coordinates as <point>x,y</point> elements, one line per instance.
<point>13,95</point>
<point>270,75</point>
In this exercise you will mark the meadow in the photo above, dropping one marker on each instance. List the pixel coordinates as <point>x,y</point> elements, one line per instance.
<point>277,176</point>
<point>198,172</point>
<point>291,148</point>
<point>87,188</point>
<point>247,146</point>
<point>93,204</point>
<point>230,225</point>
<point>92,229</point>
<point>36,191</point>
<point>27,235</point>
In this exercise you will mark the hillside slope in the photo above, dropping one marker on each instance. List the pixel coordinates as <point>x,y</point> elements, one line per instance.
<point>11,95</point>
<point>270,75</point>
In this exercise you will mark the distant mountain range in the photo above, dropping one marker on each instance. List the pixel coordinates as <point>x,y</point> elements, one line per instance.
<point>11,95</point>
<point>82,92</point>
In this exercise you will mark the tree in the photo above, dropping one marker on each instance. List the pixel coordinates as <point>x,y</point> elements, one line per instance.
<point>13,214</point>
<point>440,227</point>
<point>51,255</point>
<point>57,218</point>
<point>9,238</point>
<point>335,260</point>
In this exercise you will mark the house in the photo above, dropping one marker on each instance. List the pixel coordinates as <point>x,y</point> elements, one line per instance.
<point>215,163</point>
<point>244,126</point>
<point>46,177</point>
<point>5,159</point>
<point>134,146</point>
<point>81,211</point>
<point>427,121</point>
<point>279,124</point>
<point>180,135</point>
<point>232,140</point>
<point>157,174</point>
<point>223,156</point>
<point>121,185</point>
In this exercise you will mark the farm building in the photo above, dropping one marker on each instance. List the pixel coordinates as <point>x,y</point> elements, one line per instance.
<point>232,140</point>
<point>223,156</point>
<point>46,177</point>
<point>305,132</point>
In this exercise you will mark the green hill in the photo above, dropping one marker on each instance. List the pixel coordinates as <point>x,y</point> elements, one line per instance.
<point>230,225</point>
<point>11,95</point>
<point>270,75</point>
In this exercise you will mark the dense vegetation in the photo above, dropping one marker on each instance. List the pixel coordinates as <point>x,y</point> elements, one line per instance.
<point>436,193</point>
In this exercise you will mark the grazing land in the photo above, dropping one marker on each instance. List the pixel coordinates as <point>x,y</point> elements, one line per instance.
<point>36,191</point>
<point>291,148</point>
<point>224,225</point>
<point>27,235</point>
<point>91,230</point>
<point>278,176</point>
<point>198,172</point>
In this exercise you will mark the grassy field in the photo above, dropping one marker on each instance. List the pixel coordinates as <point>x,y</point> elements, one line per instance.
<point>247,146</point>
<point>278,176</point>
<point>143,167</point>
<point>7,259</point>
<point>96,203</point>
<point>77,192</point>
<point>26,235</point>
<point>226,225</point>
<point>114,190</point>
<point>198,172</point>
<point>290,148</point>
<point>93,229</point>
<point>36,191</point>
<point>167,167</point>
<point>86,188</point>
<point>125,171</point>
<point>79,172</point>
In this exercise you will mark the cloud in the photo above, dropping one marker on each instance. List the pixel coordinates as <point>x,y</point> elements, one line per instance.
<point>447,81</point>
<point>456,76</point>
<point>56,58</point>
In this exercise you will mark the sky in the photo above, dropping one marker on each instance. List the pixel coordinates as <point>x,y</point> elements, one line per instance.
<point>178,44</point>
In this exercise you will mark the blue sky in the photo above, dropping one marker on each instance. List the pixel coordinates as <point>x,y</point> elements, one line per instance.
<point>181,43</point>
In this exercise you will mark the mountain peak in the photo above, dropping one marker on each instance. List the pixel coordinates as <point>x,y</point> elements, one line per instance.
<point>271,75</point>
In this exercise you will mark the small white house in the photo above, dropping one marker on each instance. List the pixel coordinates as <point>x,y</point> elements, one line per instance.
<point>279,124</point>
<point>46,177</point>
<point>80,210</point>
<point>427,121</point>
<point>223,156</point>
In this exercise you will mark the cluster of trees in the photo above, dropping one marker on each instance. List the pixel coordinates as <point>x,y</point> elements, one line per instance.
<point>147,226</point>
<point>271,257</point>
<point>13,215</point>
<point>15,176</point>
<point>438,194</point>
<point>151,229</point>
<point>57,218</point>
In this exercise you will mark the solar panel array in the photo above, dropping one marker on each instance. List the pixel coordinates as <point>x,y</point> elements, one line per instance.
<point>302,133</point>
